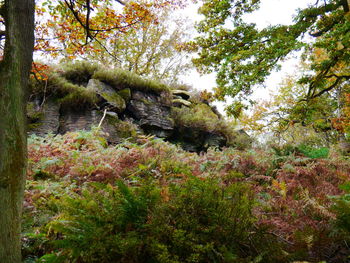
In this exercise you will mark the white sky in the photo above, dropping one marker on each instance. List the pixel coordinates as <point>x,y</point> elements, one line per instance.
<point>271,12</point>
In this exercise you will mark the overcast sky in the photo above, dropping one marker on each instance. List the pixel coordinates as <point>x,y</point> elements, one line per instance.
<point>271,12</point>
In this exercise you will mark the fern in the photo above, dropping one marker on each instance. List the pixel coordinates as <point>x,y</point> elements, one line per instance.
<point>342,208</point>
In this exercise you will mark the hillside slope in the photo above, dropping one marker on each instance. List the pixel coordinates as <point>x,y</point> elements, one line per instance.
<point>151,201</point>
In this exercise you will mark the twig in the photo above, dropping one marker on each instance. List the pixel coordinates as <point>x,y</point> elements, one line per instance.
<point>103,117</point>
<point>283,239</point>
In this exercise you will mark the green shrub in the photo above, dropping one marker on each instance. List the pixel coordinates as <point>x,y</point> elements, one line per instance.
<point>238,139</point>
<point>104,224</point>
<point>283,150</point>
<point>199,116</point>
<point>196,221</point>
<point>125,129</point>
<point>38,211</point>
<point>204,222</point>
<point>313,152</point>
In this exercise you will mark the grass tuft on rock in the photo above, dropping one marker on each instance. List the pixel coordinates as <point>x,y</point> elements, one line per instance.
<point>201,116</point>
<point>121,79</point>
<point>79,72</point>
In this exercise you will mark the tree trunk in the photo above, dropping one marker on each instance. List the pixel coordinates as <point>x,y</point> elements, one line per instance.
<point>14,73</point>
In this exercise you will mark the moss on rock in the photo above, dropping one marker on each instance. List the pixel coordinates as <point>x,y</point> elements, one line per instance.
<point>125,94</point>
<point>121,79</point>
<point>33,114</point>
<point>181,102</point>
<point>124,129</point>
<point>79,72</point>
<point>114,99</point>
<point>201,117</point>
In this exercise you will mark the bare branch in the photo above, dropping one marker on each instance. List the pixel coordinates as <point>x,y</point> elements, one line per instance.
<point>106,49</point>
<point>121,2</point>
<point>86,26</point>
<point>88,20</point>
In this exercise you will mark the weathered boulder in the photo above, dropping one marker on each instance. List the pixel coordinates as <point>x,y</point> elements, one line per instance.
<point>196,140</point>
<point>185,95</point>
<point>115,129</point>
<point>47,117</point>
<point>214,140</point>
<point>125,94</point>
<point>181,102</point>
<point>110,98</point>
<point>152,115</point>
<point>73,120</point>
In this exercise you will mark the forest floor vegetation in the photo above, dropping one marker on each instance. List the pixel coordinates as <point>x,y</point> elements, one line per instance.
<point>146,200</point>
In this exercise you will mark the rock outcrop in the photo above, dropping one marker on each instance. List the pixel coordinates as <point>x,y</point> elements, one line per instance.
<point>152,114</point>
<point>135,106</point>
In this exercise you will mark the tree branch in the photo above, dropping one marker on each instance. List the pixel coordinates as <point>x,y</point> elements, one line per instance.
<point>106,49</point>
<point>339,78</point>
<point>2,10</point>
<point>86,26</point>
<point>88,20</point>
<point>346,5</point>
<point>326,29</point>
<point>121,2</point>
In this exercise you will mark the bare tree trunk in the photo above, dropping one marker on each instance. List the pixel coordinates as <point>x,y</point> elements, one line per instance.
<point>14,72</point>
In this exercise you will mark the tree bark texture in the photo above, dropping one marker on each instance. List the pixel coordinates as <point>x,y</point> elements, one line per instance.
<point>14,74</point>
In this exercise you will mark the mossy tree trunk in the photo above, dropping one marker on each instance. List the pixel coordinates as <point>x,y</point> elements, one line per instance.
<point>14,73</point>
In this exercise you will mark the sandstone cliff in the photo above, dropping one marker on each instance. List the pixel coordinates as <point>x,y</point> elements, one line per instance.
<point>80,95</point>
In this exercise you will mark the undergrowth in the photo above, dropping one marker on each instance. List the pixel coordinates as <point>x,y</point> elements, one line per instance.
<point>150,201</point>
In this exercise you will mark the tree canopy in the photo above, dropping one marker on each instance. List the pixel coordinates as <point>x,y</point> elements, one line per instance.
<point>76,27</point>
<point>292,119</point>
<point>243,55</point>
<point>153,50</point>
